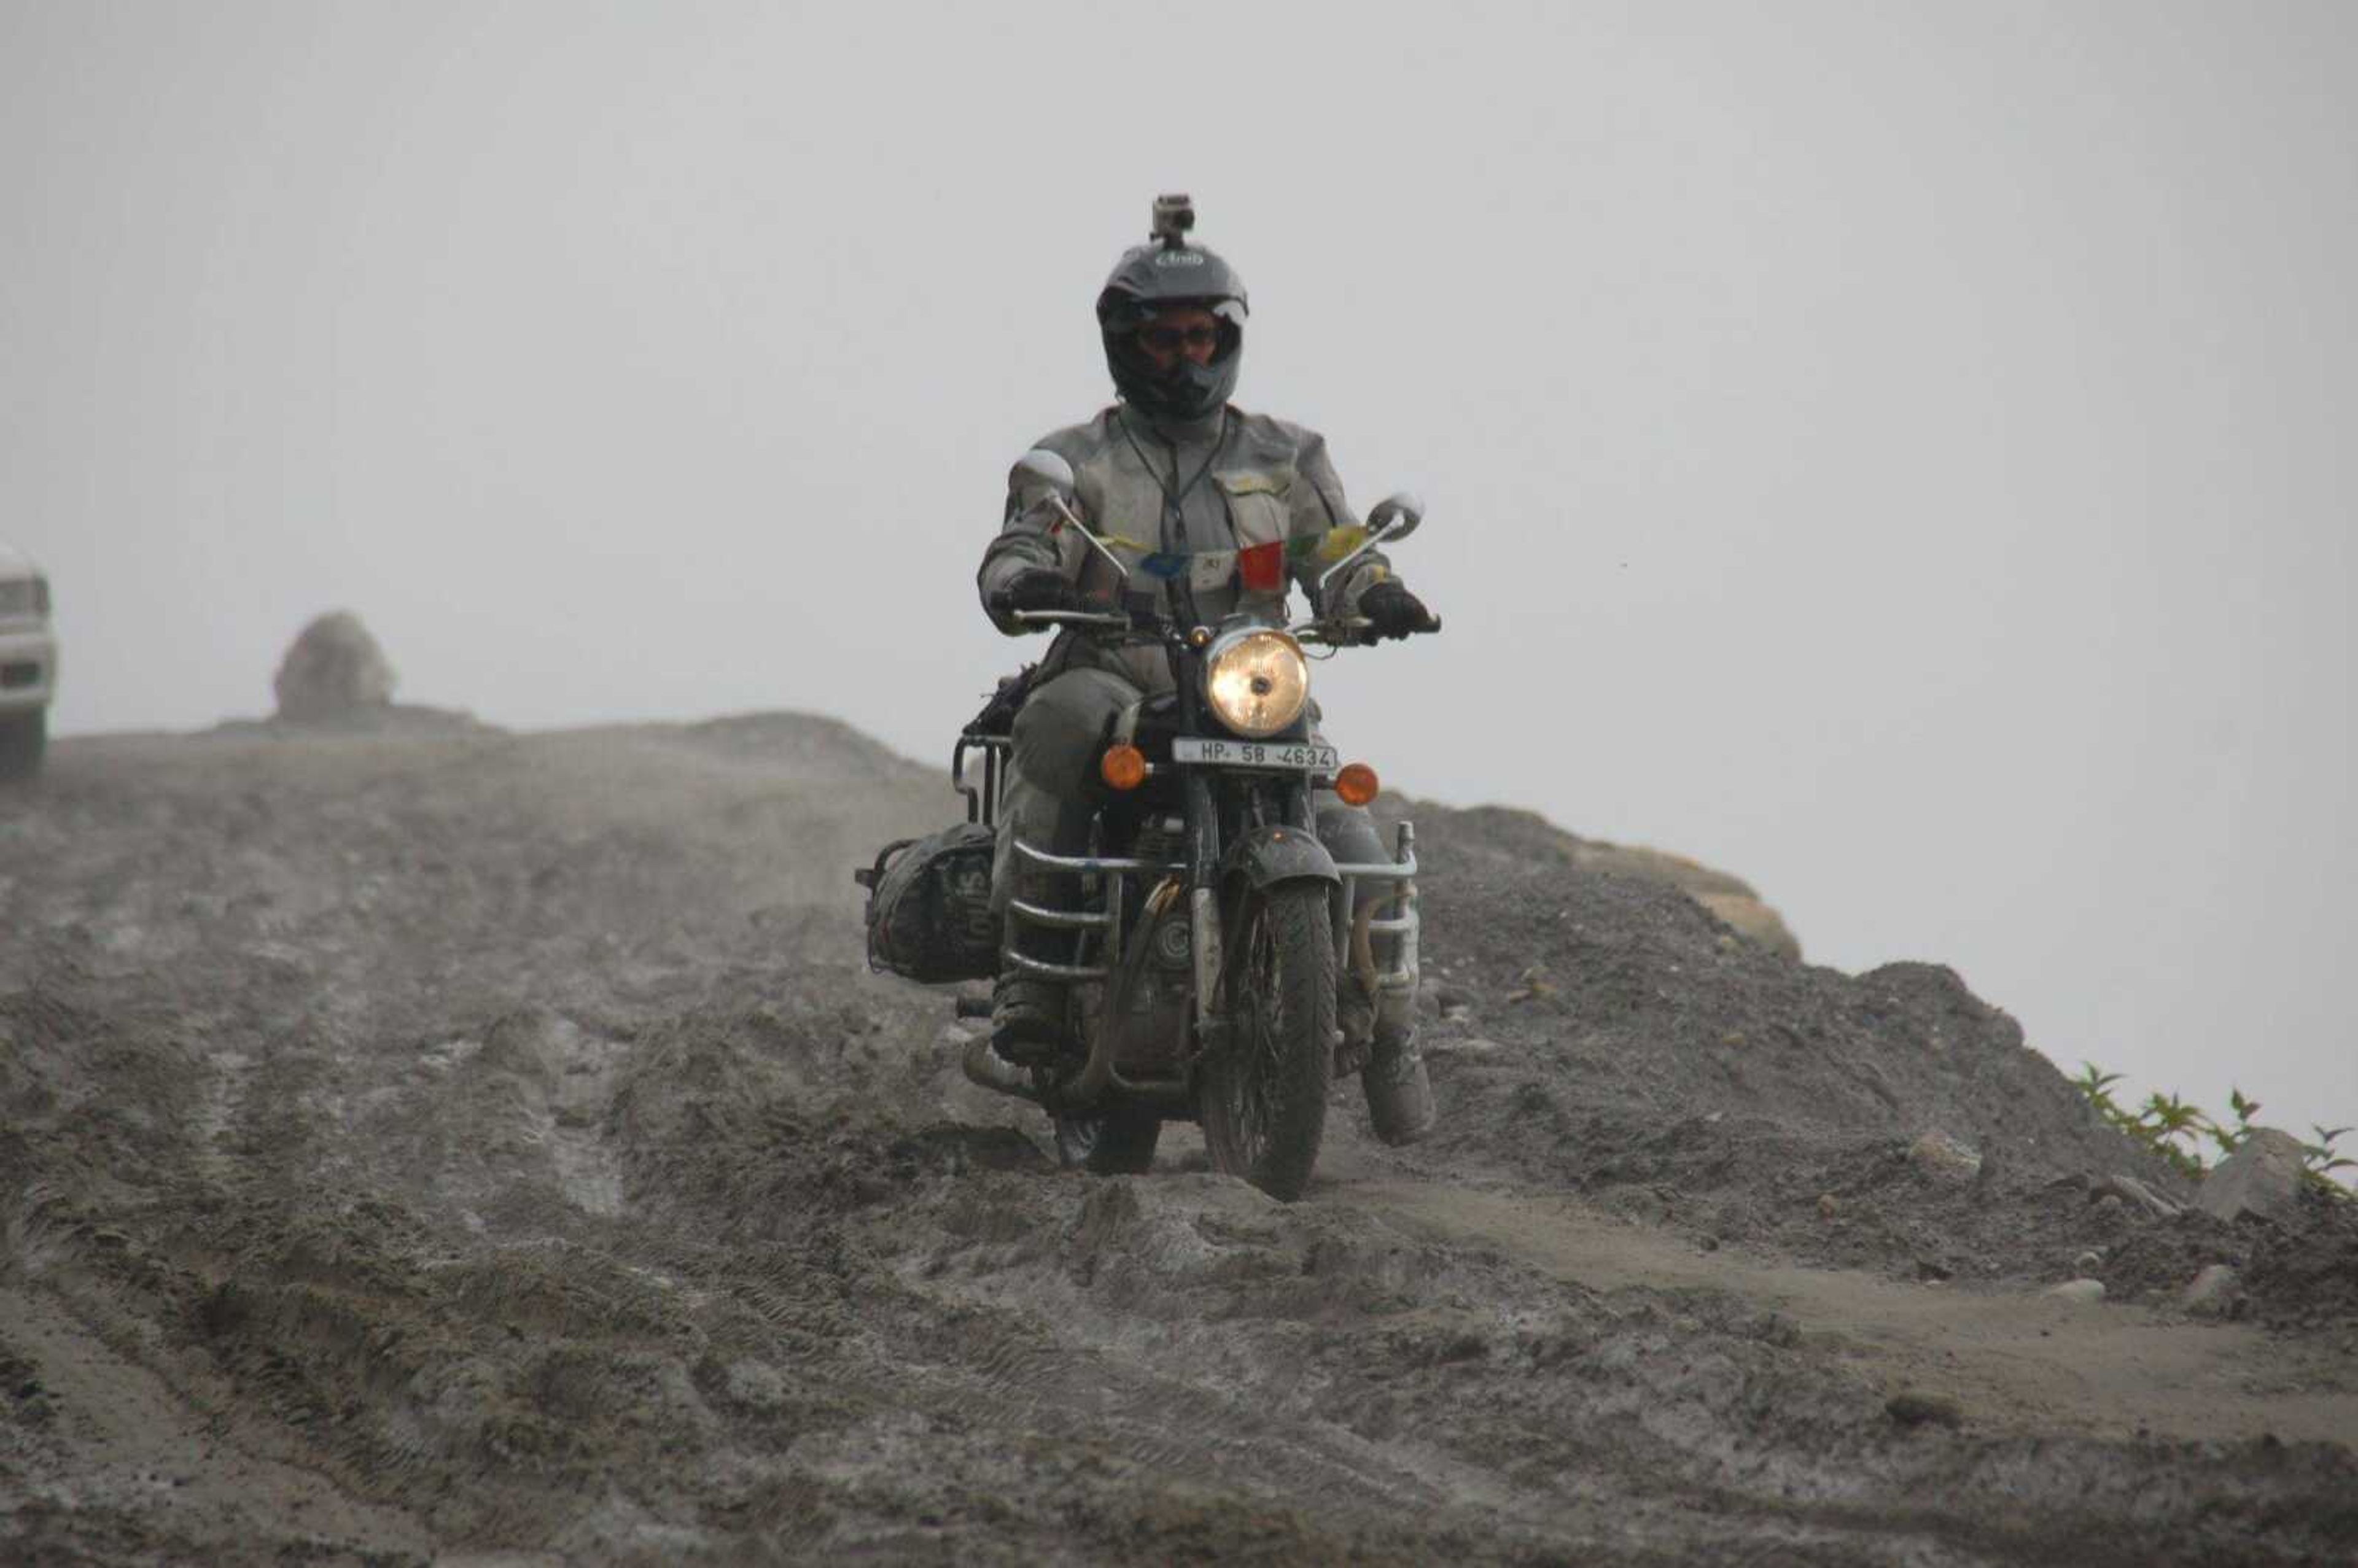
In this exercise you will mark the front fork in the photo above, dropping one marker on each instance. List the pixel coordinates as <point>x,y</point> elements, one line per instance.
<point>1353,934</point>
<point>1203,906</point>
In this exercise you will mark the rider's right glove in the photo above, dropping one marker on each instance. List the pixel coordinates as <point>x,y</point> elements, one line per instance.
<point>1393,612</point>
<point>1040,587</point>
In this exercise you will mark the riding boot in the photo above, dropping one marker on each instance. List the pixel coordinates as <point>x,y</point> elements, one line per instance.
<point>1354,1017</point>
<point>1400,1094</point>
<point>1031,1014</point>
<point>1028,1024</point>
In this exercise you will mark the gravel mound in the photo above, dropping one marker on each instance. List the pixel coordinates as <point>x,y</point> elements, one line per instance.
<point>447,1143</point>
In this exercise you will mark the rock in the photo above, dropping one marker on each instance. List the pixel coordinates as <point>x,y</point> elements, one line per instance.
<point>1939,1155</point>
<point>334,670</point>
<point>2263,1176</point>
<point>2083,1292</point>
<point>2087,1260</point>
<point>2212,1292</point>
<point>2143,1197</point>
<point>1913,1407</point>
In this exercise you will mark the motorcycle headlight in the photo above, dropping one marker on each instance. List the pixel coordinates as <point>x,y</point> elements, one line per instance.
<point>1257,681</point>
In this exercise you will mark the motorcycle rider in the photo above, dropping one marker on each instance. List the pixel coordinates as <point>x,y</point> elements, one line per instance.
<point>1178,479</point>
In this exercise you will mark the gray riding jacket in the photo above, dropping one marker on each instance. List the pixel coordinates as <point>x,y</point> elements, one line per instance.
<point>1187,496</point>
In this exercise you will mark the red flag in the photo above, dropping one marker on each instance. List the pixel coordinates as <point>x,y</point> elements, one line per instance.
<point>1262,567</point>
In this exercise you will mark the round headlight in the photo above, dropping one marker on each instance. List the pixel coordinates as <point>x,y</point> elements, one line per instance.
<point>1257,681</point>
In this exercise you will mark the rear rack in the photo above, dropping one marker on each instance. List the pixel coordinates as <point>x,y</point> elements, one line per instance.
<point>981,800</point>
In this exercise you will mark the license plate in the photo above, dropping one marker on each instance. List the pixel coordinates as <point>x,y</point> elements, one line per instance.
<point>1293,754</point>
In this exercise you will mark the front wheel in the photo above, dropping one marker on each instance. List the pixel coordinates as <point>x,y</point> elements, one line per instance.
<point>1262,1094</point>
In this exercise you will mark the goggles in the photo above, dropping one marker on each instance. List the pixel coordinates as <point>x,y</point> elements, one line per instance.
<point>1170,339</point>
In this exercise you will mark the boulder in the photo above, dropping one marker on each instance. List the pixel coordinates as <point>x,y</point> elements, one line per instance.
<point>334,671</point>
<point>2263,1176</point>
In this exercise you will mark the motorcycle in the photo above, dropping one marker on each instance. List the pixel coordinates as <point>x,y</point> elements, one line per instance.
<point>1213,924</point>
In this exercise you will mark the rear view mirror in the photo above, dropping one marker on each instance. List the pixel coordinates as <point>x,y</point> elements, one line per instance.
<point>1396,516</point>
<point>1042,469</point>
<point>1041,466</point>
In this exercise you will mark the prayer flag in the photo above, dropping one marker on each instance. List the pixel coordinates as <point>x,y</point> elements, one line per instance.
<point>1262,567</point>
<point>1341,542</point>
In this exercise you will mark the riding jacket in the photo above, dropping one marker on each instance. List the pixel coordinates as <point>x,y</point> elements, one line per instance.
<point>1210,517</point>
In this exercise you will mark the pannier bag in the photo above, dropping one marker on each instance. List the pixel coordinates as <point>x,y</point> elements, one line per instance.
<point>929,914</point>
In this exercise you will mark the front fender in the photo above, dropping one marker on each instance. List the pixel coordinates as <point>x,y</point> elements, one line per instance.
<point>1268,856</point>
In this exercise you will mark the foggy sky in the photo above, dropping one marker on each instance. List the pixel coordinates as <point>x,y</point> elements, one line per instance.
<point>1902,454</point>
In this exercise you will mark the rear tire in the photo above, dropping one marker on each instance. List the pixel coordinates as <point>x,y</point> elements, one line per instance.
<point>1119,1143</point>
<point>23,737</point>
<point>1263,1095</point>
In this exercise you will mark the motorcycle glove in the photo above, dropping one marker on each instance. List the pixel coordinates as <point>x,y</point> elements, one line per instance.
<point>1041,588</point>
<point>1393,612</point>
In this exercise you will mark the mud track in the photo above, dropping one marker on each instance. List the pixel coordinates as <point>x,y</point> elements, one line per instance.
<point>469,1146</point>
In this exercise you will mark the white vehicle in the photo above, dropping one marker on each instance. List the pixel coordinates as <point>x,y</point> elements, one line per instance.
<point>28,665</point>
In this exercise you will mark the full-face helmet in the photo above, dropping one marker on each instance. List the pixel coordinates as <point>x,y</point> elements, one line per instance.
<point>1167,273</point>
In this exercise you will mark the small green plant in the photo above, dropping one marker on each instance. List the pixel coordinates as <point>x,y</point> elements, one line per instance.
<point>2096,1087</point>
<point>2174,1131</point>
<point>2320,1160</point>
<point>2230,1139</point>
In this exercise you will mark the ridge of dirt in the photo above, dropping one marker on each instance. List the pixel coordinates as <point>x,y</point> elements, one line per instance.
<point>457,1144</point>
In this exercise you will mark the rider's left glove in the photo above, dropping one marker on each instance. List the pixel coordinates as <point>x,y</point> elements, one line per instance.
<point>1042,588</point>
<point>1393,612</point>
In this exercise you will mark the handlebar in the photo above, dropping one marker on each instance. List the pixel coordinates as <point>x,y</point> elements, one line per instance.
<point>1339,632</point>
<point>1335,632</point>
<point>1111,620</point>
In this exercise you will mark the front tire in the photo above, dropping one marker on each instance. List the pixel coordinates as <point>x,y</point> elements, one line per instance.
<point>1263,1095</point>
<point>24,738</point>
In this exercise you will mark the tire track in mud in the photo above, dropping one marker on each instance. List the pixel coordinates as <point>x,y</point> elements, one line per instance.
<point>2023,1362</point>
<point>122,1443</point>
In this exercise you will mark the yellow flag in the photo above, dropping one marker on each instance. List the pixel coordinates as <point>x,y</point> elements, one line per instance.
<point>1341,542</point>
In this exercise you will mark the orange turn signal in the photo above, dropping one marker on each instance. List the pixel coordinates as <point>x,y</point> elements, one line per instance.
<point>1356,783</point>
<point>1124,767</point>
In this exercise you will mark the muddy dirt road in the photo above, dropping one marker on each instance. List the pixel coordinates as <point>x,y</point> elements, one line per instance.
<point>471,1147</point>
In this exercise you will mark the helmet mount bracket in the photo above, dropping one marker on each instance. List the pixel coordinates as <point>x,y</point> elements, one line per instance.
<point>1174,214</point>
